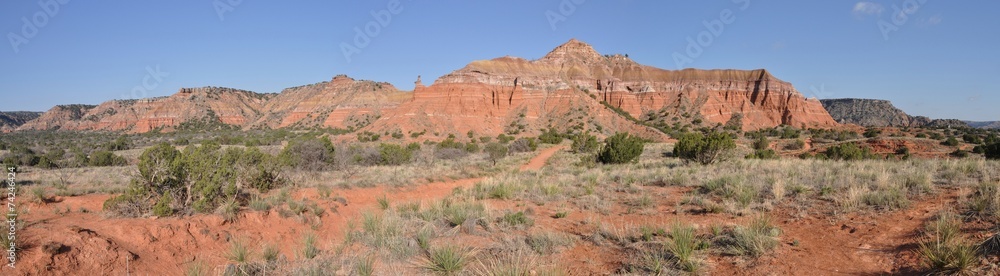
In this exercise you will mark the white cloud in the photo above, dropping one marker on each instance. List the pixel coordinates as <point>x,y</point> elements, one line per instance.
<point>867,8</point>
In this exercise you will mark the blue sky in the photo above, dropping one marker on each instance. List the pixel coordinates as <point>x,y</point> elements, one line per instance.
<point>941,61</point>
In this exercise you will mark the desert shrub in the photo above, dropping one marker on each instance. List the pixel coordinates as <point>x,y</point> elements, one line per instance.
<point>621,148</point>
<point>450,143</point>
<point>450,153</point>
<point>471,147</point>
<point>790,133</point>
<point>523,145</point>
<point>163,206</point>
<point>368,136</point>
<point>46,163</point>
<point>121,143</point>
<point>503,138</point>
<point>763,154</point>
<point>849,152</point>
<point>959,154</point>
<point>308,153</point>
<point>161,170</point>
<point>201,178</point>
<point>105,158</point>
<point>872,133</point>
<point>495,152</point>
<point>696,147</point>
<point>259,170</point>
<point>550,136</point>
<point>972,139</point>
<point>761,143</point>
<point>992,151</point>
<point>797,145</point>
<point>951,142</point>
<point>394,155</point>
<point>584,143</point>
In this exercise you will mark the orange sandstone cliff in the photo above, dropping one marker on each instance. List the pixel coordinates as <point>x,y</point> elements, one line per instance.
<point>571,88</point>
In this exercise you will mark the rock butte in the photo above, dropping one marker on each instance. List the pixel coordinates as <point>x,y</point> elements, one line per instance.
<point>571,87</point>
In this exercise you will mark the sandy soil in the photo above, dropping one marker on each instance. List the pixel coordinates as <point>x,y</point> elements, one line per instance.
<point>85,242</point>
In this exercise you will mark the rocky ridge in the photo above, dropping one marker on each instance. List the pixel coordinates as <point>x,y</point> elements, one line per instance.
<point>880,113</point>
<point>573,87</point>
<point>9,121</point>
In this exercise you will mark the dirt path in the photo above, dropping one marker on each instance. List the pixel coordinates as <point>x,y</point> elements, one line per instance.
<point>857,244</point>
<point>93,244</point>
<point>538,161</point>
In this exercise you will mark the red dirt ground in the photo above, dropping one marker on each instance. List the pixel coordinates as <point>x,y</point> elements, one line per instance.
<point>813,242</point>
<point>93,244</point>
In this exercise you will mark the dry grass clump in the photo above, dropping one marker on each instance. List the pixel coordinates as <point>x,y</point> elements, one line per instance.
<point>666,254</point>
<point>447,260</point>
<point>754,240</point>
<point>984,201</point>
<point>547,242</point>
<point>945,251</point>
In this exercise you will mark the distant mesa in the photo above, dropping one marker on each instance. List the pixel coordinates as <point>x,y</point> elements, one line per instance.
<point>880,113</point>
<point>10,121</point>
<point>573,87</point>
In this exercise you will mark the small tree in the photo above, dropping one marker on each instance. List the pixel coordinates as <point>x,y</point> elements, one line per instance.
<point>105,158</point>
<point>972,139</point>
<point>496,152</point>
<point>761,143</point>
<point>584,143</point>
<point>394,155</point>
<point>621,148</point>
<point>849,152</point>
<point>951,142</point>
<point>550,136</point>
<point>992,151</point>
<point>161,168</point>
<point>308,153</point>
<point>523,145</point>
<point>704,149</point>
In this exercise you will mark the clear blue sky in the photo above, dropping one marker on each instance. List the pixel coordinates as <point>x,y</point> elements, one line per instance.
<point>941,62</point>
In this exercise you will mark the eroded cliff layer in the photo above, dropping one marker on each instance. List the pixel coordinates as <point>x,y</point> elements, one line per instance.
<point>207,104</point>
<point>572,87</point>
<point>340,103</point>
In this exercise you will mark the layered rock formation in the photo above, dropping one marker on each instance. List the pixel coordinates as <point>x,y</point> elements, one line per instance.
<point>566,88</point>
<point>57,117</point>
<point>224,105</point>
<point>571,88</point>
<point>9,121</point>
<point>880,113</point>
<point>340,103</point>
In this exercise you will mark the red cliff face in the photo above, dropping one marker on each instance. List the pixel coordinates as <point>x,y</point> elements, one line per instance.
<point>340,103</point>
<point>566,88</point>
<point>229,106</point>
<point>571,88</point>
